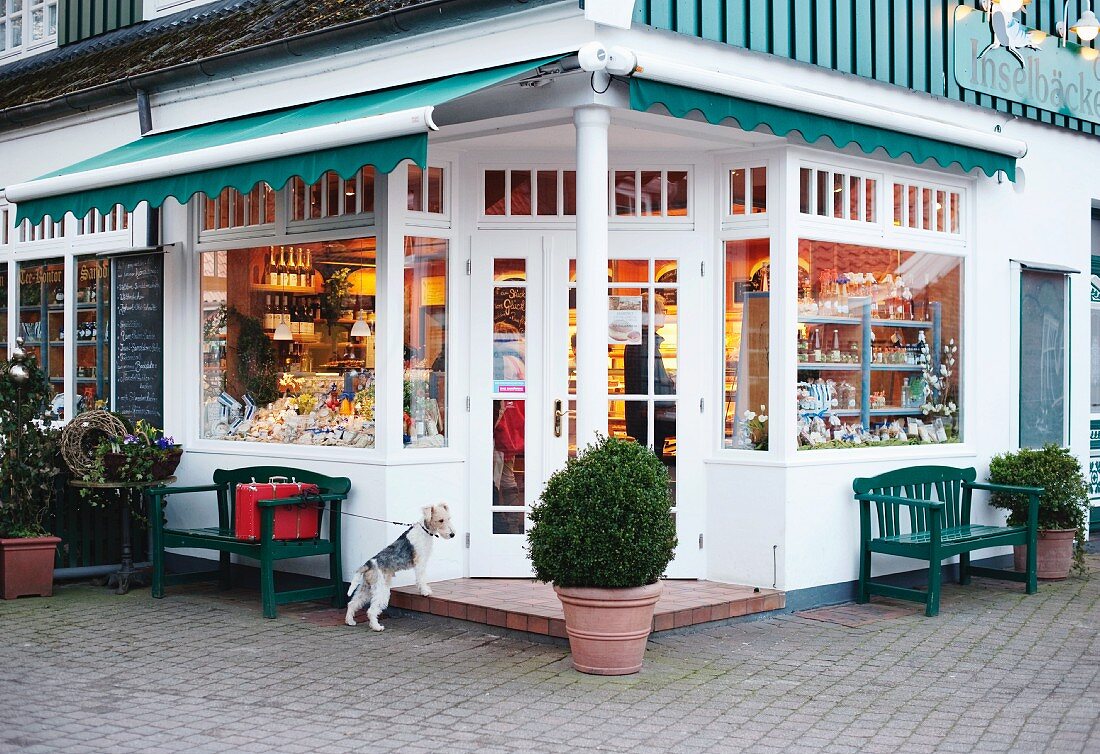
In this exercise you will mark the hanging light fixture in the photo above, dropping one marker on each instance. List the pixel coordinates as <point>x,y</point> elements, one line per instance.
<point>1086,28</point>
<point>282,332</point>
<point>360,329</point>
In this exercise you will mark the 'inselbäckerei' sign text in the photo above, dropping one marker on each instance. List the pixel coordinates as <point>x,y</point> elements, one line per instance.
<point>1025,65</point>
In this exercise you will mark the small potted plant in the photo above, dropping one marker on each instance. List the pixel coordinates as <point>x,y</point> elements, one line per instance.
<point>603,533</point>
<point>1061,508</point>
<point>144,455</point>
<point>29,466</point>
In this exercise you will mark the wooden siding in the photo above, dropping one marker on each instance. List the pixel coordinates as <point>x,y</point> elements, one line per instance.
<point>81,19</point>
<point>902,42</point>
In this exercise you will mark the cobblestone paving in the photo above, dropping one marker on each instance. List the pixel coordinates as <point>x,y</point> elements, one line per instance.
<point>87,671</point>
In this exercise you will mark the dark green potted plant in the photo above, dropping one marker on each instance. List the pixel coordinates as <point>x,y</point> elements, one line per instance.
<point>144,455</point>
<point>1062,506</point>
<point>603,533</point>
<point>29,466</point>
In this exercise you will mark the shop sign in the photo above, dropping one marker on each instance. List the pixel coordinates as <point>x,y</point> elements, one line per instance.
<point>1094,435</point>
<point>1095,292</point>
<point>997,55</point>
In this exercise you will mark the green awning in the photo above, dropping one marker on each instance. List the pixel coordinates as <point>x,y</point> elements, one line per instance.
<point>680,100</point>
<point>286,139</point>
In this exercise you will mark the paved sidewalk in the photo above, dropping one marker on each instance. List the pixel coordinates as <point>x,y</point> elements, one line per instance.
<point>87,671</point>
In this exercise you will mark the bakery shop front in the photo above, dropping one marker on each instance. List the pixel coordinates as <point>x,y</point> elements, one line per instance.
<point>442,288</point>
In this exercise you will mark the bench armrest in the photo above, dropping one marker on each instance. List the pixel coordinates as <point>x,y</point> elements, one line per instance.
<point>326,498</point>
<point>166,491</point>
<point>895,500</point>
<point>1006,488</point>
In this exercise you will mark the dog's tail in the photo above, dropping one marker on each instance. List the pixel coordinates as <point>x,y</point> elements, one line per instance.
<point>360,577</point>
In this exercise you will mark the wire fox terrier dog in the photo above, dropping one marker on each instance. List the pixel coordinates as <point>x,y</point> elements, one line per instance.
<point>411,550</point>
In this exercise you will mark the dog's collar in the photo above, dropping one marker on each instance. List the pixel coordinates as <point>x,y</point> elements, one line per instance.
<point>427,530</point>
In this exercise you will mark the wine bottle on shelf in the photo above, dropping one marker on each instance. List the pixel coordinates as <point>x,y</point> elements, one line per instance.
<point>269,315</point>
<point>286,310</point>
<point>292,271</point>
<point>296,326</point>
<point>284,273</point>
<point>310,273</point>
<point>817,344</point>
<point>836,345</point>
<point>307,317</point>
<point>905,393</point>
<point>272,269</point>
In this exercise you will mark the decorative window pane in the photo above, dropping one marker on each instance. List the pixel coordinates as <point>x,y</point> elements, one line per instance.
<point>97,222</point>
<point>425,342</point>
<point>838,195</point>
<point>495,192</point>
<point>676,182</point>
<point>759,190</point>
<point>42,320</point>
<point>416,189</point>
<point>879,336</point>
<point>737,192</point>
<point>625,193</point>
<point>747,323</point>
<point>231,209</point>
<point>1043,375</point>
<point>650,203</point>
<point>520,195</point>
<point>289,329</point>
<point>806,190</point>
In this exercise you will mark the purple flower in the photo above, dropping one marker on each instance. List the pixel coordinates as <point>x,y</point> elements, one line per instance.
<point>165,442</point>
<point>130,440</point>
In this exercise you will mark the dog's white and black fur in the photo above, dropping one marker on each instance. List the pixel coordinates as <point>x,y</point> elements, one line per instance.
<point>411,550</point>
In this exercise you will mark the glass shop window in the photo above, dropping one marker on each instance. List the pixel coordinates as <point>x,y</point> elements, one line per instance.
<point>425,190</point>
<point>425,388</point>
<point>5,228</point>
<point>879,346</point>
<point>332,196</point>
<point>93,333</point>
<point>1044,377</point>
<point>288,343</point>
<point>526,193</point>
<point>747,355</point>
<point>231,209</point>
<point>42,321</point>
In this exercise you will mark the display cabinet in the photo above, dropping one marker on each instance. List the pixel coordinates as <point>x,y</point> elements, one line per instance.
<point>93,332</point>
<point>865,367</point>
<point>42,320</point>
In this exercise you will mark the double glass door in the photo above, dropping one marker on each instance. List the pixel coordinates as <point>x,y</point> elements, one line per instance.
<point>523,382</point>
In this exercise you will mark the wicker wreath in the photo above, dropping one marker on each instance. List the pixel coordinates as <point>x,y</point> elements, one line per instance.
<point>82,436</point>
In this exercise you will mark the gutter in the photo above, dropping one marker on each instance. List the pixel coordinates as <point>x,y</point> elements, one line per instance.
<point>83,100</point>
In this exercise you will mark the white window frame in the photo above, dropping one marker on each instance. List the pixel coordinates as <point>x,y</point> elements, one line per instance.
<point>731,221</point>
<point>27,45</point>
<point>425,219</point>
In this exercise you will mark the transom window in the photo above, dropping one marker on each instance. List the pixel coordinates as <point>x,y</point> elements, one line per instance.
<point>332,196</point>
<point>231,209</point>
<point>99,222</point>
<point>46,230</point>
<point>748,191</point>
<point>549,193</point>
<point>838,195</point>
<point>26,22</point>
<point>927,208</point>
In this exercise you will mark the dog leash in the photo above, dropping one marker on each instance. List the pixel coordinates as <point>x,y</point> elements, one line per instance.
<point>320,504</point>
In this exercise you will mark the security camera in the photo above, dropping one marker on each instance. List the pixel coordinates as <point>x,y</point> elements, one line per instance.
<point>592,57</point>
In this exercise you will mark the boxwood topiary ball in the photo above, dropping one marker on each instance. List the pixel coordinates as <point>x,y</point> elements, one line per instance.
<point>605,520</point>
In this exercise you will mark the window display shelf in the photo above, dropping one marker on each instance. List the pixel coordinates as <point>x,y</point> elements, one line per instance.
<point>831,366</point>
<point>857,320</point>
<point>288,289</point>
<point>897,368</point>
<point>888,411</point>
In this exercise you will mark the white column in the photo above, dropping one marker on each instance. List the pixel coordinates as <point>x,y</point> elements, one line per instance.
<point>592,201</point>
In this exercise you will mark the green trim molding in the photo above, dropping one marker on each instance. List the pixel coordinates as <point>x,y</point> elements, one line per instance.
<point>716,108</point>
<point>82,19</point>
<point>383,154</point>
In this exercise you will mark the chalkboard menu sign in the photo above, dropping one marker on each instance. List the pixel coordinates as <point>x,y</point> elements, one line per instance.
<point>139,337</point>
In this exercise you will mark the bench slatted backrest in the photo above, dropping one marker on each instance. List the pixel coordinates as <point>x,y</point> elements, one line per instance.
<point>232,477</point>
<point>942,484</point>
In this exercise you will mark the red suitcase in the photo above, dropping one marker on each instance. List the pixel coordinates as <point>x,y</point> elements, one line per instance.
<point>293,521</point>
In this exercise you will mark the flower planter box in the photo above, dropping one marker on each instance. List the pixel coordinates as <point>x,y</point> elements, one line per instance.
<point>26,566</point>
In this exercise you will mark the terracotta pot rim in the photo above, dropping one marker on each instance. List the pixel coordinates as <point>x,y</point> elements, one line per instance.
<point>50,539</point>
<point>605,592</point>
<point>1057,532</point>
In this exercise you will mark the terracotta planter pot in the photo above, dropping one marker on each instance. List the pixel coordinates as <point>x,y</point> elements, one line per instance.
<point>608,628</point>
<point>26,566</point>
<point>1054,554</point>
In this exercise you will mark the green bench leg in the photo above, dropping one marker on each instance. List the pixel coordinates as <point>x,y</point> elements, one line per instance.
<point>864,596</point>
<point>964,568</point>
<point>267,562</point>
<point>1032,585</point>
<point>156,519</point>
<point>935,565</point>
<point>335,560</point>
<point>225,578</point>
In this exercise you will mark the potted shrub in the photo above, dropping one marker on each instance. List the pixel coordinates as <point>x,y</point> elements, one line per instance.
<point>28,471</point>
<point>1061,508</point>
<point>603,533</point>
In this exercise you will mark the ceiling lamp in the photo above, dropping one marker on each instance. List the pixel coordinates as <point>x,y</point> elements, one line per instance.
<point>282,332</point>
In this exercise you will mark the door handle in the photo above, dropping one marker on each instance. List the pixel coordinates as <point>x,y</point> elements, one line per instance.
<point>558,414</point>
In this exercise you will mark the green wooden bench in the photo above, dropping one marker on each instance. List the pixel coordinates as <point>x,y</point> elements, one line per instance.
<point>267,550</point>
<point>938,500</point>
